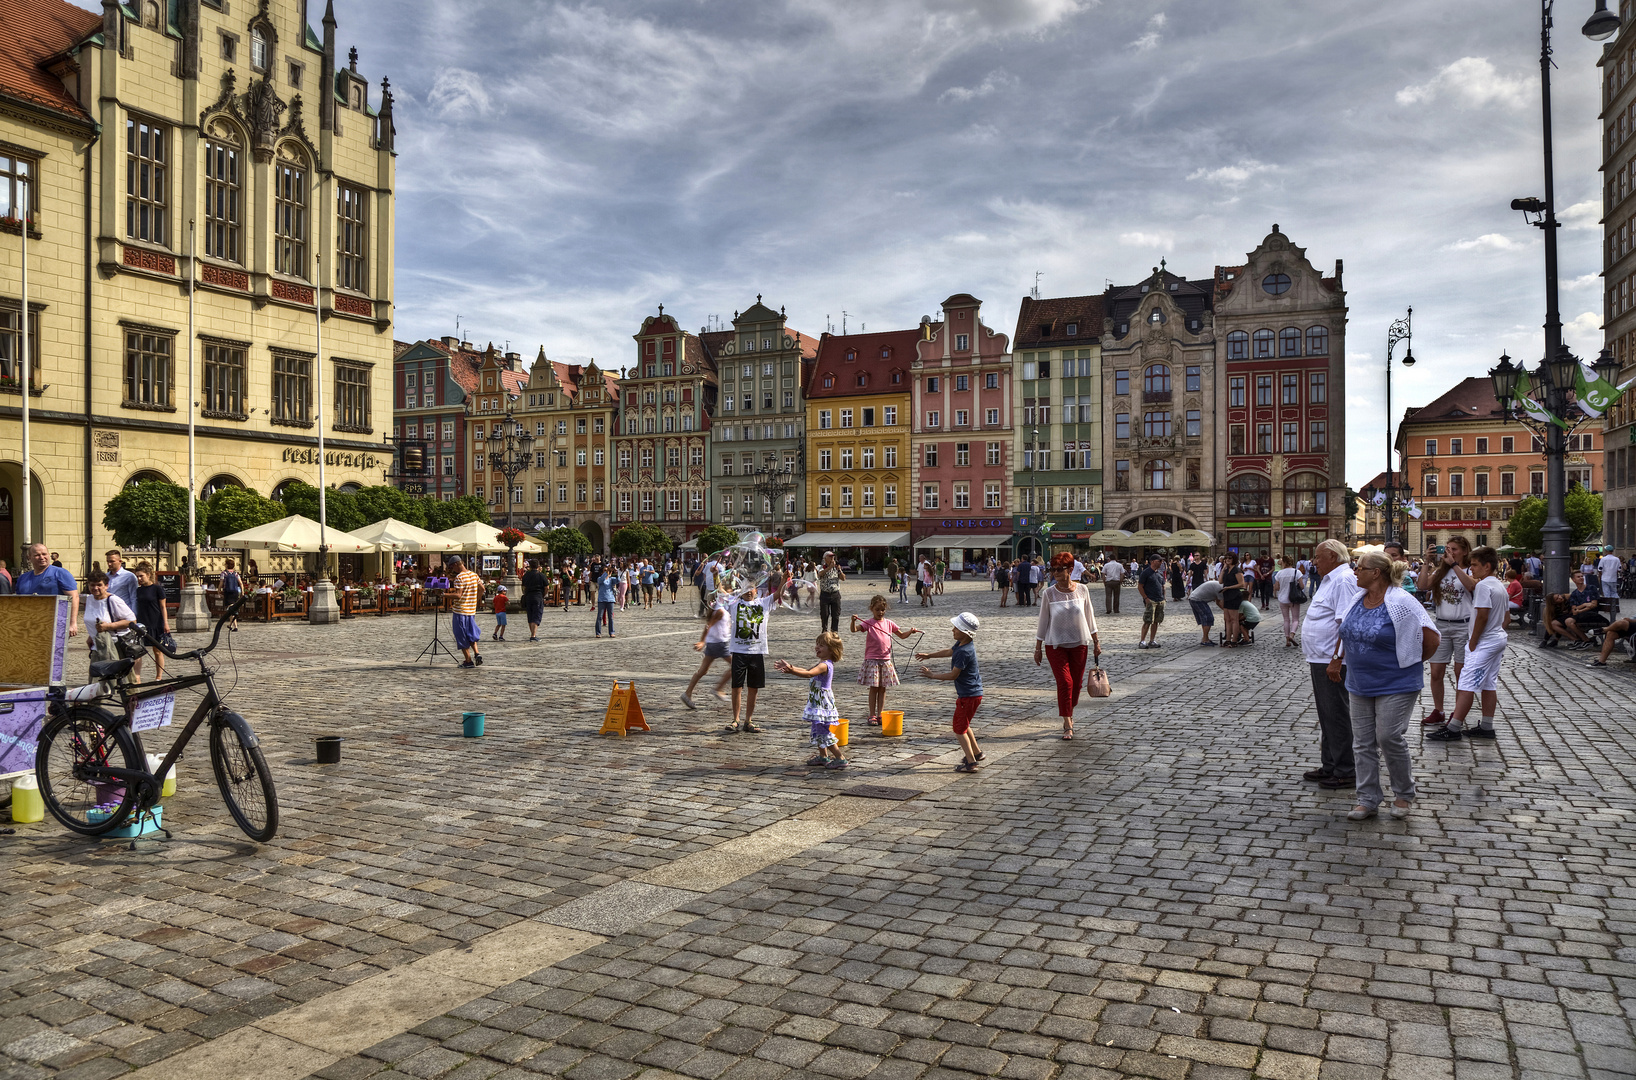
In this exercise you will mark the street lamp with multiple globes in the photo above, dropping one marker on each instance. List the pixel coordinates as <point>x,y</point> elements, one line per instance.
<point>511,450</point>
<point>772,483</point>
<point>1555,376</point>
<point>1401,330</point>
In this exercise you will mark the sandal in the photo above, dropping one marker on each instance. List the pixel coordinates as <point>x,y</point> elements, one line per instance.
<point>731,729</point>
<point>874,721</point>
<point>752,729</point>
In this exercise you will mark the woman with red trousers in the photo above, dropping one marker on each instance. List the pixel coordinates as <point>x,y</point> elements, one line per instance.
<point>1067,630</point>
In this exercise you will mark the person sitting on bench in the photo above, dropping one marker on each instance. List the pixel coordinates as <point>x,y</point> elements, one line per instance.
<point>1616,632</point>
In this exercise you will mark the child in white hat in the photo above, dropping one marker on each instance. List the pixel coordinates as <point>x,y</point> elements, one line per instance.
<point>968,684</point>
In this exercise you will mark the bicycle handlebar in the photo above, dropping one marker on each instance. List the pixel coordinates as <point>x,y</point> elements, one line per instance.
<point>198,654</point>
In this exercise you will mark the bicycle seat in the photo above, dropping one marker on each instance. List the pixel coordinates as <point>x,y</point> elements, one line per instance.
<point>108,670</point>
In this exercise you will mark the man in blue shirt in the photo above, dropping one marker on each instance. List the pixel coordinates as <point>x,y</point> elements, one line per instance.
<point>121,582</point>
<point>1151,584</point>
<point>1585,600</point>
<point>43,579</point>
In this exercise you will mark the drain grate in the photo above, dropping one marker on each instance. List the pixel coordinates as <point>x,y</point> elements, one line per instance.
<point>876,791</point>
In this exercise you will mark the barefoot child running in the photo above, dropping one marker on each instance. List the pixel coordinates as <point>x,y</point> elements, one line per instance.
<point>820,711</point>
<point>968,684</point>
<point>713,643</point>
<point>877,672</point>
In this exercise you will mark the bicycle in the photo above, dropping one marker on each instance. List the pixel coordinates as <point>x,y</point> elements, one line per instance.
<point>90,763</point>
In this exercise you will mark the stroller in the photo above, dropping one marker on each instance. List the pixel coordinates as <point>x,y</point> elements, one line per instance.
<point>1250,616</point>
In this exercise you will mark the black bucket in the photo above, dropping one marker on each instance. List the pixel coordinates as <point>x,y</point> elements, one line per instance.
<point>329,749</point>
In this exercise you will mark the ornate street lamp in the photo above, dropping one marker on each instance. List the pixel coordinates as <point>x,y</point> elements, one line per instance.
<point>511,449</point>
<point>1401,330</point>
<point>772,483</point>
<point>1556,375</point>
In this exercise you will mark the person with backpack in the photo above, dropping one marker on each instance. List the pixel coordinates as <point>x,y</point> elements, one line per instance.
<point>1290,585</point>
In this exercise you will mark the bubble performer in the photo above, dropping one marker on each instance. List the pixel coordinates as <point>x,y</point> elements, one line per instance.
<point>750,587</point>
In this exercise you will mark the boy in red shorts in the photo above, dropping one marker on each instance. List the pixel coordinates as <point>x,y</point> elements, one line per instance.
<point>968,684</point>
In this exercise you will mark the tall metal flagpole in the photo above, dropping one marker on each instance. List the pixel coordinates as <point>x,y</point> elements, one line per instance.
<point>26,379</point>
<point>318,382</point>
<point>192,479</point>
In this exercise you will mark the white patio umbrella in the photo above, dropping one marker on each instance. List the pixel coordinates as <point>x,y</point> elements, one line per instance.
<point>474,536</point>
<point>390,534</point>
<point>294,533</point>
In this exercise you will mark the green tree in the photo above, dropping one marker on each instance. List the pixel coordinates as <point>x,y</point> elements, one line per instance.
<point>152,513</point>
<point>1351,503</point>
<point>340,507</point>
<point>1582,508</point>
<point>383,501</point>
<point>234,509</point>
<point>566,543</point>
<point>640,538</point>
<point>715,538</point>
<point>441,516</point>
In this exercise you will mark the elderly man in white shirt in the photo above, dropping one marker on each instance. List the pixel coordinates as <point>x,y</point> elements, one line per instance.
<point>1113,577</point>
<point>1337,591</point>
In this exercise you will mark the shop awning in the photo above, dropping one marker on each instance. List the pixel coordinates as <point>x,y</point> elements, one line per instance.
<point>848,539</point>
<point>961,540</point>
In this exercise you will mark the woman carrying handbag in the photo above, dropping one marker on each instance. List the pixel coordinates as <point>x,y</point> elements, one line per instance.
<point>1067,627</point>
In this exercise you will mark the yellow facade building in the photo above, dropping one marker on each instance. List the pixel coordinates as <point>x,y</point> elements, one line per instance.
<point>858,467</point>
<point>169,143</point>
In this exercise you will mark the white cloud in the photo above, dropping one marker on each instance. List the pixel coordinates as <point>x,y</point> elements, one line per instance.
<point>1152,241</point>
<point>458,94</point>
<point>1583,281</point>
<point>1583,334</point>
<point>1487,242</point>
<point>994,80</point>
<point>1150,39</point>
<point>1471,81</point>
<point>1583,215</point>
<point>979,133</point>
<point>1232,175</point>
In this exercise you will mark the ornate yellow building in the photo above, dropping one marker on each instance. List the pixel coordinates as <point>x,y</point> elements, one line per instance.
<point>178,141</point>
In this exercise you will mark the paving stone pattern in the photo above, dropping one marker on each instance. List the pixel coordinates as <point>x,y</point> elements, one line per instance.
<point>1160,897</point>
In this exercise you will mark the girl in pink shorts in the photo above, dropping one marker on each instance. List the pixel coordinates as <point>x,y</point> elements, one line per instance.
<point>877,671</point>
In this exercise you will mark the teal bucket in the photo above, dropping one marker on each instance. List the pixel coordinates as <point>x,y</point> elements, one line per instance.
<point>473,722</point>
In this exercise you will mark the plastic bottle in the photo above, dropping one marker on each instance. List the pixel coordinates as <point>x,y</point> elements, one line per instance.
<point>26,803</point>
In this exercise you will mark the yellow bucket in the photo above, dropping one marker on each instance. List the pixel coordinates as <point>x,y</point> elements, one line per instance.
<point>840,727</point>
<point>26,803</point>
<point>891,722</point>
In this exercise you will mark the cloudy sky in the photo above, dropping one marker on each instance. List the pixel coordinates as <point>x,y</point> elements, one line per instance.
<point>566,166</point>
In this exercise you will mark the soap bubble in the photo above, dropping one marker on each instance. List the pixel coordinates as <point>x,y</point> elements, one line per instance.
<point>748,564</point>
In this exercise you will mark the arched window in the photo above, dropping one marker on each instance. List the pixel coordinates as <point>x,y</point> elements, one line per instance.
<point>146,475</point>
<point>290,215</point>
<point>224,187</point>
<point>1305,493</point>
<point>216,483</point>
<point>1157,476</point>
<point>1317,341</point>
<point>259,57</point>
<point>1263,343</point>
<point>1289,341</point>
<point>1238,345</point>
<point>1156,379</point>
<point>283,488</point>
<point>1249,496</point>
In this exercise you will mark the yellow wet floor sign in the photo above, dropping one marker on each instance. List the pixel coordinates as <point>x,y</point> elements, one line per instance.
<point>624,711</point>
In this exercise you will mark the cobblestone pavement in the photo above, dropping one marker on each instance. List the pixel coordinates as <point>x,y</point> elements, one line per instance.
<point>1160,897</point>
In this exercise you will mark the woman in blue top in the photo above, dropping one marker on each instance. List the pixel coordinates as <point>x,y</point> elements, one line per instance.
<point>1384,644</point>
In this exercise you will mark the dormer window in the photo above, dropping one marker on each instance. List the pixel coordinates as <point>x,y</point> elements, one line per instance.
<point>897,377</point>
<point>850,355</point>
<point>863,378</point>
<point>1144,288</point>
<point>1073,329</point>
<point>1045,329</point>
<point>829,380</point>
<point>1175,285</point>
<point>885,353</point>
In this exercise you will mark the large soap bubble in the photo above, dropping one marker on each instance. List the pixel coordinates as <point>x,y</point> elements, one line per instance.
<point>748,564</point>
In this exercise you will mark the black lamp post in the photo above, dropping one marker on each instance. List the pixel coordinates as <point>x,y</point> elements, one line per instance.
<point>511,449</point>
<point>772,483</point>
<point>1555,378</point>
<point>1401,330</point>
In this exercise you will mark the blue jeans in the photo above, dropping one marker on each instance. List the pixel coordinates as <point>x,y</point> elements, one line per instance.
<point>604,610</point>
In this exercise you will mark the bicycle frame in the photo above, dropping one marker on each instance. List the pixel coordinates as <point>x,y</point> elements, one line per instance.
<point>130,696</point>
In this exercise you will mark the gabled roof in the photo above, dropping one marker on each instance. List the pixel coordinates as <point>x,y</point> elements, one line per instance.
<point>1378,481</point>
<point>32,33</point>
<point>1045,321</point>
<point>1469,399</point>
<point>713,340</point>
<point>831,357</point>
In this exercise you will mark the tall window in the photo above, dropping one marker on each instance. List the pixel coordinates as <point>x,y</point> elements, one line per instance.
<point>352,398</point>
<point>292,389</point>
<point>1194,423</point>
<point>1263,343</point>
<point>1508,483</point>
<point>11,346</point>
<point>1156,425</point>
<point>1238,345</point>
<point>1156,380</point>
<point>258,50</point>
<point>1317,388</point>
<point>1317,341</point>
<point>1292,390</point>
<point>352,238</point>
<point>147,188</point>
<point>1249,496</point>
<point>1319,439</point>
<point>148,381</point>
<point>16,190</point>
<point>290,218</point>
<point>1289,341</point>
<point>1482,484</point>
<point>1235,390</point>
<point>1235,439</point>
<point>224,381</point>
<point>223,189</point>
<point>1157,476</point>
<point>1305,493</point>
<point>1430,480</point>
<point>1292,437</point>
<point>1263,389</point>
<point>1263,439</point>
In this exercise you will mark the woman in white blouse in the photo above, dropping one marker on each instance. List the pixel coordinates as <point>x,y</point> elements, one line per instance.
<point>1067,626</point>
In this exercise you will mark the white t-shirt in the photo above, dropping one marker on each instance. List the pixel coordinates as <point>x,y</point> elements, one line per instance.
<point>1491,595</point>
<point>720,630</point>
<point>710,576</point>
<point>113,609</point>
<point>1281,581</point>
<point>1454,599</point>
<point>1114,570</point>
<point>748,622</point>
<point>1079,570</point>
<point>1609,565</point>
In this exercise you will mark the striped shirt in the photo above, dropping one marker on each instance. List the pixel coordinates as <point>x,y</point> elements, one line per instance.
<point>467,588</point>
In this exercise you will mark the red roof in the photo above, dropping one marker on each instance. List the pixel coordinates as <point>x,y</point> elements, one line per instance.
<point>1046,320</point>
<point>867,360</point>
<point>33,32</point>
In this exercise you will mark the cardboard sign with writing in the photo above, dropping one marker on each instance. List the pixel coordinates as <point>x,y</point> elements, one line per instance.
<point>22,714</point>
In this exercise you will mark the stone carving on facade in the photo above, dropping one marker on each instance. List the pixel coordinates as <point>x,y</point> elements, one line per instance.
<point>226,100</point>
<point>262,109</point>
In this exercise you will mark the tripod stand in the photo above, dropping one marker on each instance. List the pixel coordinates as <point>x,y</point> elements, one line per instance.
<point>436,645</point>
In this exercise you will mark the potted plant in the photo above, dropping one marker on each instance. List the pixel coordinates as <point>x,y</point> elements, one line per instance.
<point>289,599</point>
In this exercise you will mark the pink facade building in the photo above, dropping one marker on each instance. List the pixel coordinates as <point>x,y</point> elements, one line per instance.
<point>961,432</point>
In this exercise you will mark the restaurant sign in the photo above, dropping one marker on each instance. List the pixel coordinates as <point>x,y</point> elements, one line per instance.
<point>975,523</point>
<point>345,459</point>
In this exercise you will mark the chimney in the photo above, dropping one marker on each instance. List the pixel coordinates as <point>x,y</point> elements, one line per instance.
<point>450,341</point>
<point>1338,267</point>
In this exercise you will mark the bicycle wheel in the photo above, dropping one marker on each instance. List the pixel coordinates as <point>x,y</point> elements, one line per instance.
<point>247,786</point>
<point>84,737</point>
